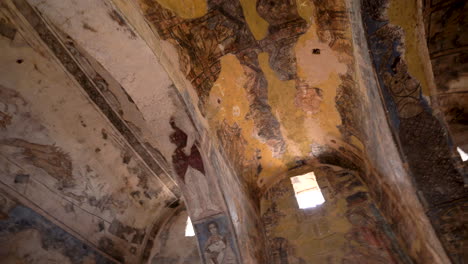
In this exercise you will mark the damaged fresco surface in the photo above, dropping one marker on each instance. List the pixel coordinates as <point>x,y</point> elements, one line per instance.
<point>349,220</point>
<point>59,152</point>
<point>171,245</point>
<point>137,114</point>
<point>27,237</point>
<point>216,241</point>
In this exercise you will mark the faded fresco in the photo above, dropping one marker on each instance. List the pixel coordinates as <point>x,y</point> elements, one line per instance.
<point>121,118</point>
<point>417,107</point>
<point>171,245</point>
<point>28,237</point>
<point>189,166</point>
<point>67,159</point>
<point>346,228</point>
<point>447,41</point>
<point>216,241</point>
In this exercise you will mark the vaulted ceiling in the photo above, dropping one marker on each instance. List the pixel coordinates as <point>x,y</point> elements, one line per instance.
<point>117,116</point>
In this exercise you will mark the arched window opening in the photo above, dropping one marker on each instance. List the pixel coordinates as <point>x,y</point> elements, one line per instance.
<point>189,232</point>
<point>463,154</point>
<point>307,191</point>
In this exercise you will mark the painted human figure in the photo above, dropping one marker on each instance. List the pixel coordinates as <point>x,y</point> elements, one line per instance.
<point>197,192</point>
<point>217,250</point>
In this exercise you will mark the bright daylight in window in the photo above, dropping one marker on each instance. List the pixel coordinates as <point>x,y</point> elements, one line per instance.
<point>307,191</point>
<point>189,232</point>
<point>463,154</point>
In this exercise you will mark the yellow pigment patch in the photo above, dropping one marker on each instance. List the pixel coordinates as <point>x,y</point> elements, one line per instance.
<point>228,103</point>
<point>186,8</point>
<point>404,14</point>
<point>357,143</point>
<point>320,71</point>
<point>305,9</point>
<point>257,25</point>
<point>281,97</point>
<point>299,127</point>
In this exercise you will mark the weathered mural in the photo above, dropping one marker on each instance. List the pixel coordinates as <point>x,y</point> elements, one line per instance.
<point>119,119</point>
<point>28,237</point>
<point>65,159</point>
<point>420,128</point>
<point>445,22</point>
<point>346,228</point>
<point>216,241</point>
<point>172,245</point>
<point>153,158</point>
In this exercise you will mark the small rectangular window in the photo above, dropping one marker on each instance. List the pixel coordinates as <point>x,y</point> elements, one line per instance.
<point>307,191</point>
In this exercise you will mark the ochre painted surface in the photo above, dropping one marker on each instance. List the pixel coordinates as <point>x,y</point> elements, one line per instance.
<point>347,228</point>
<point>305,107</point>
<point>306,10</point>
<point>218,102</point>
<point>407,15</point>
<point>257,24</point>
<point>186,8</point>
<point>229,104</point>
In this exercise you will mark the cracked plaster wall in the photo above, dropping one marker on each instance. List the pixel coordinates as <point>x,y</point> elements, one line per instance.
<point>61,157</point>
<point>144,111</point>
<point>241,92</point>
<point>279,109</point>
